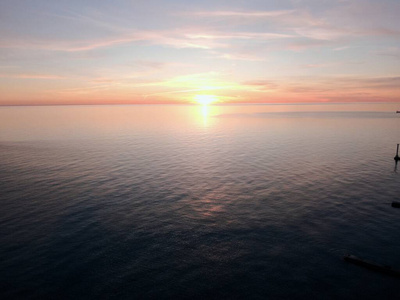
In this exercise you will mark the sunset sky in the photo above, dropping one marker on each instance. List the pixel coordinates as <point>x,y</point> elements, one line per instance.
<point>179,51</point>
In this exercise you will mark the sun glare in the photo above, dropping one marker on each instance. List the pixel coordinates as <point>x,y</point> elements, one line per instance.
<point>205,99</point>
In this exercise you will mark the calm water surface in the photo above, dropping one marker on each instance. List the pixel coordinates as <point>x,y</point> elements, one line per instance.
<point>219,202</point>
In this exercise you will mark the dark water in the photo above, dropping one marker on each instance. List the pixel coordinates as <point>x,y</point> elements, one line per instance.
<point>132,202</point>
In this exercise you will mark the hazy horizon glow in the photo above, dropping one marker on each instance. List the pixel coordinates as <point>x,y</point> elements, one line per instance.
<point>148,52</point>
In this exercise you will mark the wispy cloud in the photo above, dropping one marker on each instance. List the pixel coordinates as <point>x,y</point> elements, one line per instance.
<point>391,52</point>
<point>239,35</point>
<point>32,76</point>
<point>185,38</point>
<point>67,46</point>
<point>241,14</point>
<point>149,64</point>
<point>346,88</point>
<point>342,48</point>
<point>238,56</point>
<point>261,84</point>
<point>303,44</point>
<point>322,33</point>
<point>329,88</point>
<point>390,82</point>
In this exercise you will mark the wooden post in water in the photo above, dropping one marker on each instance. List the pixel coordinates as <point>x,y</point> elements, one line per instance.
<point>396,159</point>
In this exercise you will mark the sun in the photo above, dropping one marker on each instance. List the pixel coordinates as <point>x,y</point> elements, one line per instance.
<point>205,99</point>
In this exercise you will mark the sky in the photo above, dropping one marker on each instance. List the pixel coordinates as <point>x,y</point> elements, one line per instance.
<point>179,51</point>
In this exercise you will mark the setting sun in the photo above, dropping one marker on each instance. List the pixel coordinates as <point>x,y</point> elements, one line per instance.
<point>205,99</point>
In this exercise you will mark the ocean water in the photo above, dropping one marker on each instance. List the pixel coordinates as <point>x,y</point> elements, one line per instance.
<point>183,202</point>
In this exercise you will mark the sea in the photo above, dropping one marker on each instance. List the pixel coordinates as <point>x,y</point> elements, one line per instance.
<point>198,202</point>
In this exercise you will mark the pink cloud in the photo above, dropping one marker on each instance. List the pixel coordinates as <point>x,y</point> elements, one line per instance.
<point>261,84</point>
<point>32,76</point>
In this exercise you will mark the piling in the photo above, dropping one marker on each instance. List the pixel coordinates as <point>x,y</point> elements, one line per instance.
<point>396,204</point>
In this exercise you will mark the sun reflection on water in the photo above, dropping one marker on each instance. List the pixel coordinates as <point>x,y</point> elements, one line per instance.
<point>205,114</point>
<point>205,111</point>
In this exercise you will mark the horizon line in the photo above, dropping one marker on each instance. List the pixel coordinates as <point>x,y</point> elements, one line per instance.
<point>196,104</point>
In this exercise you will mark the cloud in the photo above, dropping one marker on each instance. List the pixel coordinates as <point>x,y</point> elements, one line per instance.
<point>67,46</point>
<point>183,38</point>
<point>241,14</point>
<point>360,83</point>
<point>298,27</point>
<point>329,88</point>
<point>325,25</point>
<point>302,44</point>
<point>391,51</point>
<point>342,48</point>
<point>239,35</point>
<point>324,33</point>
<point>349,89</point>
<point>238,55</point>
<point>381,32</point>
<point>261,84</point>
<point>148,64</point>
<point>169,38</point>
<point>32,76</point>
<point>102,80</point>
<point>197,82</point>
<point>391,82</point>
<point>315,66</point>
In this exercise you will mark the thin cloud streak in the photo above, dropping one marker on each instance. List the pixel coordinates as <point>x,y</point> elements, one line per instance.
<point>173,38</point>
<point>240,35</point>
<point>248,14</point>
<point>32,76</point>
